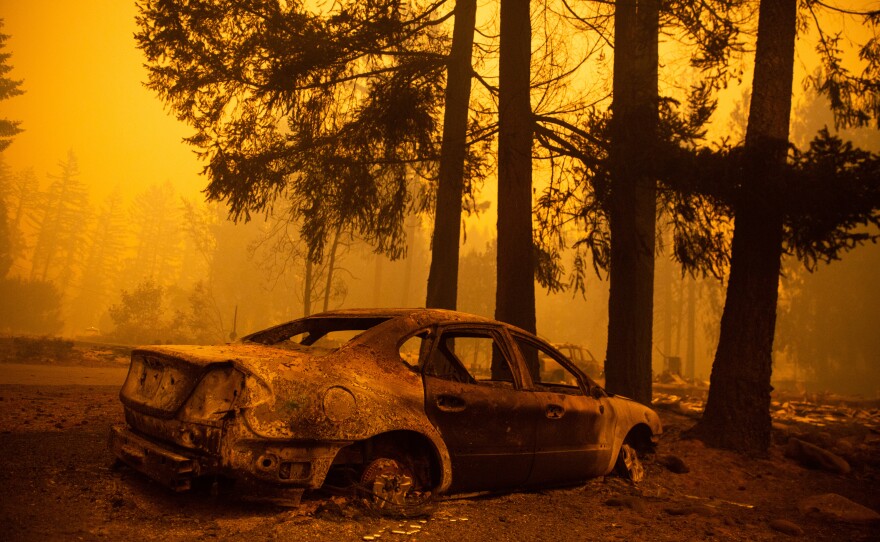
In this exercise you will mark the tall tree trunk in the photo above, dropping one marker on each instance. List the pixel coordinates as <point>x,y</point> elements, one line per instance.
<point>443,275</point>
<point>307,289</point>
<point>377,281</point>
<point>669,284</point>
<point>633,199</point>
<point>410,259</point>
<point>737,414</point>
<point>679,315</point>
<point>7,252</point>
<point>515,291</point>
<point>331,267</point>
<point>690,360</point>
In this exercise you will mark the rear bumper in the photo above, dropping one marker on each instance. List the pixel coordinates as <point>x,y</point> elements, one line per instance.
<point>260,470</point>
<point>165,466</point>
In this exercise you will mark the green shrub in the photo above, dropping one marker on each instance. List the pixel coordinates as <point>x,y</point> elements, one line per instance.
<point>34,348</point>
<point>30,306</point>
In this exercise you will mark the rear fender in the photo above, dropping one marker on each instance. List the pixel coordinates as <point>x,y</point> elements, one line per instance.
<point>422,448</point>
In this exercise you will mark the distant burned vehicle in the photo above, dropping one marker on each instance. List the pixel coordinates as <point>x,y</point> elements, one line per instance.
<point>582,358</point>
<point>408,403</point>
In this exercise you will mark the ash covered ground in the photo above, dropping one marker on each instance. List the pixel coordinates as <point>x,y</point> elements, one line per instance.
<point>59,482</point>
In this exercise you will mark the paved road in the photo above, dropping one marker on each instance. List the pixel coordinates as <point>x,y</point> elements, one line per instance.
<point>52,375</point>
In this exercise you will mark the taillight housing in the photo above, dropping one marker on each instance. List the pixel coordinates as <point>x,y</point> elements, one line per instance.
<point>217,395</point>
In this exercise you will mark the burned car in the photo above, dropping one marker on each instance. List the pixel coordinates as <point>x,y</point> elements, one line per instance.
<point>583,358</point>
<point>406,403</point>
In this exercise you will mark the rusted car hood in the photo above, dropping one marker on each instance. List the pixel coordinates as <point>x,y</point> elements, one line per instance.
<point>347,394</point>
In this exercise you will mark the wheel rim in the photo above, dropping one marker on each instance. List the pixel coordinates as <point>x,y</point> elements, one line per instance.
<point>632,467</point>
<point>388,481</point>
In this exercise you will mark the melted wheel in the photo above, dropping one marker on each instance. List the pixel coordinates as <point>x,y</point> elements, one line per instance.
<point>389,482</point>
<point>628,464</point>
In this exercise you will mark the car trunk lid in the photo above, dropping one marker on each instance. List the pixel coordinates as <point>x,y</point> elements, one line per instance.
<point>158,383</point>
<point>162,378</point>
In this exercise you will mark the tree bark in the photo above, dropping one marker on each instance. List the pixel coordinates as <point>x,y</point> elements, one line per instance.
<point>6,243</point>
<point>633,199</point>
<point>307,289</point>
<point>331,267</point>
<point>377,281</point>
<point>443,275</point>
<point>690,359</point>
<point>515,291</point>
<point>737,414</point>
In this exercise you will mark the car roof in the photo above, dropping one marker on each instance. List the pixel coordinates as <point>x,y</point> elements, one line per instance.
<point>435,315</point>
<point>412,318</point>
<point>420,315</point>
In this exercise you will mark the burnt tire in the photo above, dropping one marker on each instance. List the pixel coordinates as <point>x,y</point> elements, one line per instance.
<point>628,465</point>
<point>391,488</point>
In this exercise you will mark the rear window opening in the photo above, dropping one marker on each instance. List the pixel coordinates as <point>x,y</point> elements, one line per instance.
<point>310,334</point>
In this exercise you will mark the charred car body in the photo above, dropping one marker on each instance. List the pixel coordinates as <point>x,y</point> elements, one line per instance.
<point>408,402</point>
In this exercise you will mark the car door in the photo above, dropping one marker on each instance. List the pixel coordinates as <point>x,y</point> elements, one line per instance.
<point>572,426</point>
<point>474,396</point>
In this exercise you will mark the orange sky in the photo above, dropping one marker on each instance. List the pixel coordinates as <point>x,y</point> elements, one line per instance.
<point>82,76</point>
<point>83,81</point>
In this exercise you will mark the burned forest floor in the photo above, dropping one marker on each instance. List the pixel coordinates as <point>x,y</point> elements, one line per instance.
<point>59,482</point>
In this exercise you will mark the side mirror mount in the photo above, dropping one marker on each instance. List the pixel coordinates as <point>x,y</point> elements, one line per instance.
<point>597,393</point>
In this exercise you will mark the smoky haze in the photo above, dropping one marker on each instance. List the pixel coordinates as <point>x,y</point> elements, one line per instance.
<point>105,213</point>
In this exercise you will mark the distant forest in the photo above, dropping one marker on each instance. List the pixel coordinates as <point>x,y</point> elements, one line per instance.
<point>346,154</point>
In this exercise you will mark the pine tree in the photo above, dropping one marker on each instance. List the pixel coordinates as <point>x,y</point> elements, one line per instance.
<point>102,264</point>
<point>61,218</point>
<point>155,220</point>
<point>515,269</point>
<point>8,89</point>
<point>329,110</point>
<point>633,144</point>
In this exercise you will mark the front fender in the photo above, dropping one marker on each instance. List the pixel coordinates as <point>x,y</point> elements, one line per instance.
<point>630,415</point>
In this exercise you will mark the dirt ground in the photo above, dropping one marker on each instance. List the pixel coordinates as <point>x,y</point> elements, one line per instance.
<point>59,482</point>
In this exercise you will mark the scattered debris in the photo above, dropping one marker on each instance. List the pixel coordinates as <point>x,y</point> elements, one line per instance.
<point>331,509</point>
<point>786,527</point>
<point>817,410</point>
<point>667,377</point>
<point>665,401</point>
<point>633,503</point>
<point>690,406</point>
<point>722,501</point>
<point>814,457</point>
<point>783,430</point>
<point>839,508</point>
<point>689,509</point>
<point>673,463</point>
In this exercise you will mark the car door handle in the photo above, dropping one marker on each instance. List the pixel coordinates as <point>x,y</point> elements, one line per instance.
<point>450,403</point>
<point>554,412</point>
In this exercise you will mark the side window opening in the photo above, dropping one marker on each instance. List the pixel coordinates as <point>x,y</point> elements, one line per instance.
<point>444,364</point>
<point>411,350</point>
<point>473,357</point>
<point>548,374</point>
